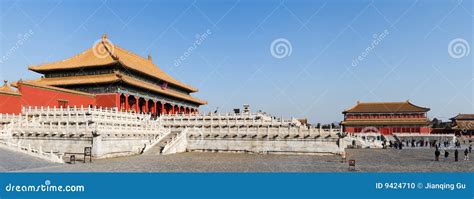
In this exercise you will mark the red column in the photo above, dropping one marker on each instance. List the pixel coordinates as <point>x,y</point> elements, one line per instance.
<point>146,107</point>
<point>179,109</point>
<point>137,108</point>
<point>154,108</point>
<point>127,106</point>
<point>172,109</point>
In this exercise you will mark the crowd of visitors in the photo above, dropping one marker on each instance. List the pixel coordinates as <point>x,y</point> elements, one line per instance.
<point>466,152</point>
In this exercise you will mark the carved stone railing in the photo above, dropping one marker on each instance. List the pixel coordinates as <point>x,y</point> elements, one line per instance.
<point>49,156</point>
<point>180,137</point>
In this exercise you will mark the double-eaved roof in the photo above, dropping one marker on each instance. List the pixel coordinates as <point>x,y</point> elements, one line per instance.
<point>462,116</point>
<point>385,107</point>
<point>105,53</point>
<point>463,122</point>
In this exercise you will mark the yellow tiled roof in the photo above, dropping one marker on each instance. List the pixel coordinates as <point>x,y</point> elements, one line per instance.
<point>105,53</point>
<point>385,107</point>
<point>78,80</point>
<point>464,125</point>
<point>6,89</point>
<point>463,117</point>
<point>39,84</point>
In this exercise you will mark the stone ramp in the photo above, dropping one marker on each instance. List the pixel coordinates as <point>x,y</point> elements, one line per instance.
<point>16,161</point>
<point>390,138</point>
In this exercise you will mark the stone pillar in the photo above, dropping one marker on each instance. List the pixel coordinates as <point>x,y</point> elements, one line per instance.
<point>127,106</point>
<point>97,146</point>
<point>146,106</point>
<point>137,107</point>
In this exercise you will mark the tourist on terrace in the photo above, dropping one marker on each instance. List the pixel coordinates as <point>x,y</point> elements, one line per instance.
<point>456,154</point>
<point>466,154</point>
<point>446,155</point>
<point>437,153</point>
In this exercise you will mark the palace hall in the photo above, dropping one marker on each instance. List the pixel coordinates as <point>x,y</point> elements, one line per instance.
<point>386,118</point>
<point>104,75</point>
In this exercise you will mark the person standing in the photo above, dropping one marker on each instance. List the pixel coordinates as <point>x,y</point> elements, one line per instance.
<point>437,153</point>
<point>456,154</point>
<point>446,155</point>
<point>466,154</point>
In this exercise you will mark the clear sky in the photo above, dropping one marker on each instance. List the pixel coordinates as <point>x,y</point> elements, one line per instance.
<point>341,51</point>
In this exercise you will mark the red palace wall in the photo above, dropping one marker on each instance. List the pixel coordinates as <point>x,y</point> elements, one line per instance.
<point>10,104</point>
<point>388,130</point>
<point>36,96</point>
<point>107,100</point>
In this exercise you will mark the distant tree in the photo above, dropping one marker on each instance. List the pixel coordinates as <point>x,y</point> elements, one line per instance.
<point>435,123</point>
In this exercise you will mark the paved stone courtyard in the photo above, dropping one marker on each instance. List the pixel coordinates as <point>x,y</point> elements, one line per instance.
<point>368,160</point>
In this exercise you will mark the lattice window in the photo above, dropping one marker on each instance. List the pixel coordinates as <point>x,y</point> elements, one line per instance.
<point>62,103</point>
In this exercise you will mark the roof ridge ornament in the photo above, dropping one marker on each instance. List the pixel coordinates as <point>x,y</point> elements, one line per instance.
<point>103,48</point>
<point>150,58</point>
<point>5,82</point>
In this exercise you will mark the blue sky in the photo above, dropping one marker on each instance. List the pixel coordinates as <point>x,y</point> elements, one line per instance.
<point>234,65</point>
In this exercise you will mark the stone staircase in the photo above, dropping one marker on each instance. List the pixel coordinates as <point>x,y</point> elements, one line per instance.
<point>158,146</point>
